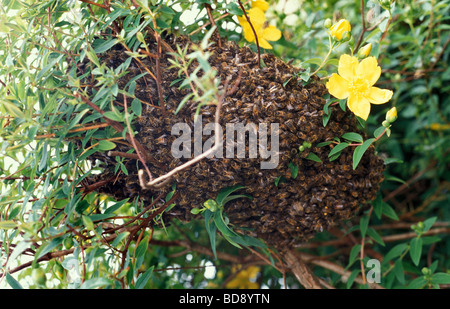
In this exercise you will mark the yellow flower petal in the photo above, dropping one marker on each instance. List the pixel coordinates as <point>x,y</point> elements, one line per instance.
<point>263,43</point>
<point>271,33</point>
<point>360,106</point>
<point>263,5</point>
<point>338,86</point>
<point>248,32</point>
<point>348,67</point>
<point>257,17</point>
<point>368,69</point>
<point>379,96</point>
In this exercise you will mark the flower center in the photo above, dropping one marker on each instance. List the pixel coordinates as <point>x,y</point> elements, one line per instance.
<point>359,86</point>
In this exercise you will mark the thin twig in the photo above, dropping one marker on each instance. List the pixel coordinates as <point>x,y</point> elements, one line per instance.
<point>254,32</point>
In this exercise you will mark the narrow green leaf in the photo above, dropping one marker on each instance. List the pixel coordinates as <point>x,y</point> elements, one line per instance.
<point>363,225</point>
<point>360,150</point>
<point>415,250</point>
<point>396,251</point>
<point>428,223</point>
<point>225,192</point>
<point>95,283</point>
<point>104,46</point>
<point>13,282</point>
<point>375,236</point>
<point>352,277</point>
<point>337,149</point>
<point>143,278</point>
<point>8,224</point>
<point>115,207</point>
<point>294,170</point>
<point>313,157</point>
<point>354,137</point>
<point>354,253</point>
<point>399,271</point>
<point>211,229</point>
<point>388,211</point>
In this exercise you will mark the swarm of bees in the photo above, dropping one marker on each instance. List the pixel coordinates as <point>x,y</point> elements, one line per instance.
<point>284,210</point>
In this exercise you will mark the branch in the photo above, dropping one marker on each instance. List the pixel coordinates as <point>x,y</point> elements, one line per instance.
<point>301,270</point>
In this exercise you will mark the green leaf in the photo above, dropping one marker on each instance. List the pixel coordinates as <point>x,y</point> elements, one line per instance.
<point>352,278</point>
<point>95,283</point>
<point>47,247</point>
<point>225,192</point>
<point>399,271</point>
<point>234,9</point>
<point>313,157</point>
<point>388,211</point>
<point>393,178</point>
<point>294,170</point>
<point>440,278</point>
<point>116,206</point>
<point>88,223</point>
<point>428,223</point>
<point>143,278</point>
<point>105,145</point>
<point>417,283</point>
<point>114,116</point>
<point>233,197</point>
<point>12,282</point>
<point>8,224</point>
<point>354,137</point>
<point>415,250</point>
<point>13,109</point>
<point>104,46</point>
<point>396,251</point>
<point>354,253</point>
<point>211,229</point>
<point>324,144</point>
<point>337,149</point>
<point>375,236</point>
<point>363,225</point>
<point>378,132</point>
<point>136,107</point>
<point>360,150</point>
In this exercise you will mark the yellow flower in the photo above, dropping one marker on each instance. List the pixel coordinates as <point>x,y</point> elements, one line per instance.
<point>263,5</point>
<point>243,279</point>
<point>391,115</point>
<point>355,83</point>
<point>338,29</point>
<point>365,51</point>
<point>264,33</point>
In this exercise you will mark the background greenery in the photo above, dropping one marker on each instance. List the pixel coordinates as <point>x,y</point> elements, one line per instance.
<point>44,217</point>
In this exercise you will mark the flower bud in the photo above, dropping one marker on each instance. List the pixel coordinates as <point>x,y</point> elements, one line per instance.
<point>386,124</point>
<point>364,51</point>
<point>346,36</point>
<point>391,115</point>
<point>338,29</point>
<point>327,23</point>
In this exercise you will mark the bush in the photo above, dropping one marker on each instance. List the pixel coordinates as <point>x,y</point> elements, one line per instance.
<point>81,80</point>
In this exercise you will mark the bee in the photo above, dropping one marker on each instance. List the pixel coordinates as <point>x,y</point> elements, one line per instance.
<point>291,221</point>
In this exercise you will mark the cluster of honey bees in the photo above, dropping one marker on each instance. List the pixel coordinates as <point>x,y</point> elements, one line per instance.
<point>282,213</point>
